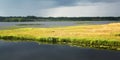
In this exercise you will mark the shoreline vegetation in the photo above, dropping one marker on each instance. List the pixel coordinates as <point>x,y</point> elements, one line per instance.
<point>35,18</point>
<point>106,36</point>
<point>28,24</point>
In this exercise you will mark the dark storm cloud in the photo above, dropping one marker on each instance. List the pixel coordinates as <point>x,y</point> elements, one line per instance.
<point>74,2</point>
<point>32,7</point>
<point>66,2</point>
<point>42,4</point>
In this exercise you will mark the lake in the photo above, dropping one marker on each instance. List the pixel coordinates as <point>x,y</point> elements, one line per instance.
<point>35,51</point>
<point>39,51</point>
<point>48,24</point>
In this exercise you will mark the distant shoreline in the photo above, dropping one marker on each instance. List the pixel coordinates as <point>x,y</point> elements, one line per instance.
<point>34,18</point>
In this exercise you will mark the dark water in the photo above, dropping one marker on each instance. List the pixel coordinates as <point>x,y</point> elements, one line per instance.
<point>35,51</point>
<point>48,24</point>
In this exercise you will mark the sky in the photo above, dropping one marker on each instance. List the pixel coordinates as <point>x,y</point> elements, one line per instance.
<point>60,8</point>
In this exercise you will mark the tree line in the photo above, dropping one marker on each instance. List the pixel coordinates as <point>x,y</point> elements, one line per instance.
<point>35,18</point>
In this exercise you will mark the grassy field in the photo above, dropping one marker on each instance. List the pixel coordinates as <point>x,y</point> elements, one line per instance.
<point>105,36</point>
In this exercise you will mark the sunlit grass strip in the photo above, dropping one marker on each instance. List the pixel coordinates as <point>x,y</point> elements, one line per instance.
<point>97,36</point>
<point>78,42</point>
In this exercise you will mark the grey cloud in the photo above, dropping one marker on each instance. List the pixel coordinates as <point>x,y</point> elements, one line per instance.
<point>59,3</point>
<point>74,2</point>
<point>32,7</point>
<point>66,2</point>
<point>107,1</point>
<point>43,4</point>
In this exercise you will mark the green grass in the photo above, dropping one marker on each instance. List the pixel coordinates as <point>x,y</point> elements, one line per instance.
<point>94,36</point>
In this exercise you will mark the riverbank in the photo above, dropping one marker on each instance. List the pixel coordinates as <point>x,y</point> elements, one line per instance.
<point>105,36</point>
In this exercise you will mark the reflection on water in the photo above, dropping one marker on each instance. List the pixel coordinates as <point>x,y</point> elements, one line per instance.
<point>35,51</point>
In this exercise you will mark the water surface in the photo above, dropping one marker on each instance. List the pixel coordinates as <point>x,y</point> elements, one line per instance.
<point>35,51</point>
<point>48,24</point>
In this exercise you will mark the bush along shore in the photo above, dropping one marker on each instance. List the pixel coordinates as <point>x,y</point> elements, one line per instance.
<point>95,36</point>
